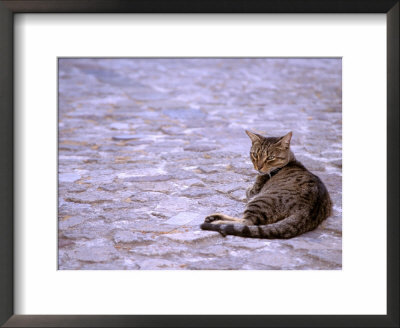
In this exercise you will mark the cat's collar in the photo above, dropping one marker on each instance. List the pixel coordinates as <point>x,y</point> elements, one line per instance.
<point>272,173</point>
<point>275,171</point>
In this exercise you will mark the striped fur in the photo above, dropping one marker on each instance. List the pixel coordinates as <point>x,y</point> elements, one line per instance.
<point>285,201</point>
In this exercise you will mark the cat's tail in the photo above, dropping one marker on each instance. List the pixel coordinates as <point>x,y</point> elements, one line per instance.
<point>289,227</point>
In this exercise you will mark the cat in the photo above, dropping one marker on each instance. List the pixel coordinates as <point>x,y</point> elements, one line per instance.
<point>286,199</point>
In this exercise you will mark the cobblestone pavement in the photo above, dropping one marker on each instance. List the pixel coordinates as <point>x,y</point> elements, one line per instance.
<point>149,147</point>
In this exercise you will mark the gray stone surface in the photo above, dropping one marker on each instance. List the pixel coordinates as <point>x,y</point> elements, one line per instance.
<point>149,147</point>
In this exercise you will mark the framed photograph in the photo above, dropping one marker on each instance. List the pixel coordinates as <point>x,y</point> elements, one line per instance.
<point>148,161</point>
<point>162,163</point>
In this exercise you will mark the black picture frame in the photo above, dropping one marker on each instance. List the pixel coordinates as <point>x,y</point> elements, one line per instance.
<point>11,7</point>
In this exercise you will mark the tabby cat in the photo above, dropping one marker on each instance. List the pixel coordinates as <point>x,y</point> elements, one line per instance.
<point>285,201</point>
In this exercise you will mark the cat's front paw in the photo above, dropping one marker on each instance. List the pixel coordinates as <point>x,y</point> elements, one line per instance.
<point>213,217</point>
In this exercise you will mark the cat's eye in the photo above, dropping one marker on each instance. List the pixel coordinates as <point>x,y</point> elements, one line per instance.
<point>270,158</point>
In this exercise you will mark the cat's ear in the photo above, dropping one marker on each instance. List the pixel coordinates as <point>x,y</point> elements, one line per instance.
<point>284,142</point>
<point>254,137</point>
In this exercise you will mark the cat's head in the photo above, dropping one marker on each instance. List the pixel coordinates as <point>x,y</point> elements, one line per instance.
<point>268,154</point>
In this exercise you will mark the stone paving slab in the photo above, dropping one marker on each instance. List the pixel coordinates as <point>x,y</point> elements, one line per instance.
<point>149,147</point>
